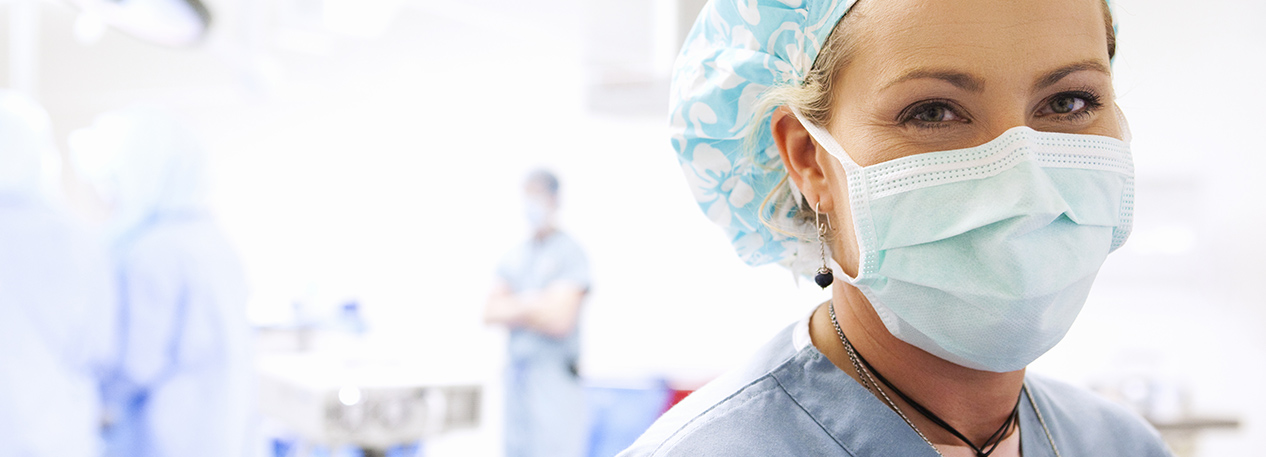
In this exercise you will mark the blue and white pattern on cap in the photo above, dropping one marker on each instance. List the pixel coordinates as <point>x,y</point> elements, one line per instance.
<point>736,50</point>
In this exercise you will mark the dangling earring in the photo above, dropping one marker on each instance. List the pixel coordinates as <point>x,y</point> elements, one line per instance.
<point>824,277</point>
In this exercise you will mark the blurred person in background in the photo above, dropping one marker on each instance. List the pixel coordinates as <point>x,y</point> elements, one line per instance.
<point>56,300</point>
<point>541,284</point>
<point>182,384</point>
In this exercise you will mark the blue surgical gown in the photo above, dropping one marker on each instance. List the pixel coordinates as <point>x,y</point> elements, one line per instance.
<point>183,387</point>
<point>791,400</point>
<point>56,323</point>
<point>545,412</point>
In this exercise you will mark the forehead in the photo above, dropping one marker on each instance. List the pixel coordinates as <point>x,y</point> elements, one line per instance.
<point>992,38</point>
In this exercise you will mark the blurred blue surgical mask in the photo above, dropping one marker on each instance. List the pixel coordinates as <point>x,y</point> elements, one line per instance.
<point>537,213</point>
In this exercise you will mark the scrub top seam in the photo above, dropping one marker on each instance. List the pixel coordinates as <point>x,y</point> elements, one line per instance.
<point>703,417</point>
<point>810,415</point>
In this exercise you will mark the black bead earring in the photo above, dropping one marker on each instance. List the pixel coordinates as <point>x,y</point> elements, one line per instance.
<point>824,277</point>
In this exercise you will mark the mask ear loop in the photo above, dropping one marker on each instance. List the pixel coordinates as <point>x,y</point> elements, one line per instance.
<point>824,139</point>
<point>859,206</point>
<point>824,277</point>
<point>1126,135</point>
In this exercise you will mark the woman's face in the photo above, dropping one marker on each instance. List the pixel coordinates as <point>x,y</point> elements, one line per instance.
<point>934,76</point>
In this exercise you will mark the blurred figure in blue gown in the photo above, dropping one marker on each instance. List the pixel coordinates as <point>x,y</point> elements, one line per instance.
<point>56,300</point>
<point>541,285</point>
<point>183,383</point>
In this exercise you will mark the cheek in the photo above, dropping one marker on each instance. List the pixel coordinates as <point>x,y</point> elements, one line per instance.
<point>1115,123</point>
<point>872,141</point>
<point>1107,122</point>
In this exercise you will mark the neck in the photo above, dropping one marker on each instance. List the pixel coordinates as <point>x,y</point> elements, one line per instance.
<point>974,402</point>
<point>542,233</point>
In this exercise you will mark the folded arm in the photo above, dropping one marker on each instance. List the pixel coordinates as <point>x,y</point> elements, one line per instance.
<point>552,311</point>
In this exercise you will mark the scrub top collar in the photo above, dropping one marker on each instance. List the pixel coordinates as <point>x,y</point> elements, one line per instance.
<point>868,426</point>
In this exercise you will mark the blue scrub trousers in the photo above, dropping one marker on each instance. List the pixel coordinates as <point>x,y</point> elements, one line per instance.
<point>545,410</point>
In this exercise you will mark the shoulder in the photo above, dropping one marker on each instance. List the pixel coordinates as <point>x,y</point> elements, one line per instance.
<point>22,223</point>
<point>744,412</point>
<point>58,265</point>
<point>48,236</point>
<point>563,242</point>
<point>515,251</point>
<point>1089,424</point>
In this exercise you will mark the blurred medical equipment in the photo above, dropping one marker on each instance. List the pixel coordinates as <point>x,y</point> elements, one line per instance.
<point>371,402</point>
<point>184,380</point>
<point>330,383</point>
<point>57,306</point>
<point>165,22</point>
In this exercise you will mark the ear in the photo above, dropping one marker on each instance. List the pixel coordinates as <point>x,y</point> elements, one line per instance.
<point>800,155</point>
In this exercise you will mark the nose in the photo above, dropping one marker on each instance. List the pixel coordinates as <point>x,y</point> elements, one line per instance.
<point>1013,114</point>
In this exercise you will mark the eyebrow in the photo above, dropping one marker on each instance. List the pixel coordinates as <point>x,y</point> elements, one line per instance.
<point>969,82</point>
<point>959,79</point>
<point>1054,76</point>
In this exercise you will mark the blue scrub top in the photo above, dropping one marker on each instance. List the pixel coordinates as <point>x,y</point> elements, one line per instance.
<point>545,414</point>
<point>534,266</point>
<point>57,323</point>
<point>183,386</point>
<point>791,400</point>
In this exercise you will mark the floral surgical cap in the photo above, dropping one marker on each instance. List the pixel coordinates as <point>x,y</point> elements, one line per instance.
<point>736,50</point>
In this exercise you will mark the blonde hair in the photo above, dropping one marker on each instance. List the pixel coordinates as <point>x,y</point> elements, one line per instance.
<point>812,98</point>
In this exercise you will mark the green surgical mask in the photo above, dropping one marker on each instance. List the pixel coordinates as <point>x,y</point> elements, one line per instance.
<point>984,256</point>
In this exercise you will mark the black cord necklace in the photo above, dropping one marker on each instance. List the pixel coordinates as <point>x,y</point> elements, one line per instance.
<point>984,450</point>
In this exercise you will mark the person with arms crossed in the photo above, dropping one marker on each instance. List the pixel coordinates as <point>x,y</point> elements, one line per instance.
<point>541,284</point>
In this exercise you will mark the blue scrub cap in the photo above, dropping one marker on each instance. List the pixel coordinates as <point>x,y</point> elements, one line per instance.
<point>145,162</point>
<point>736,50</point>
